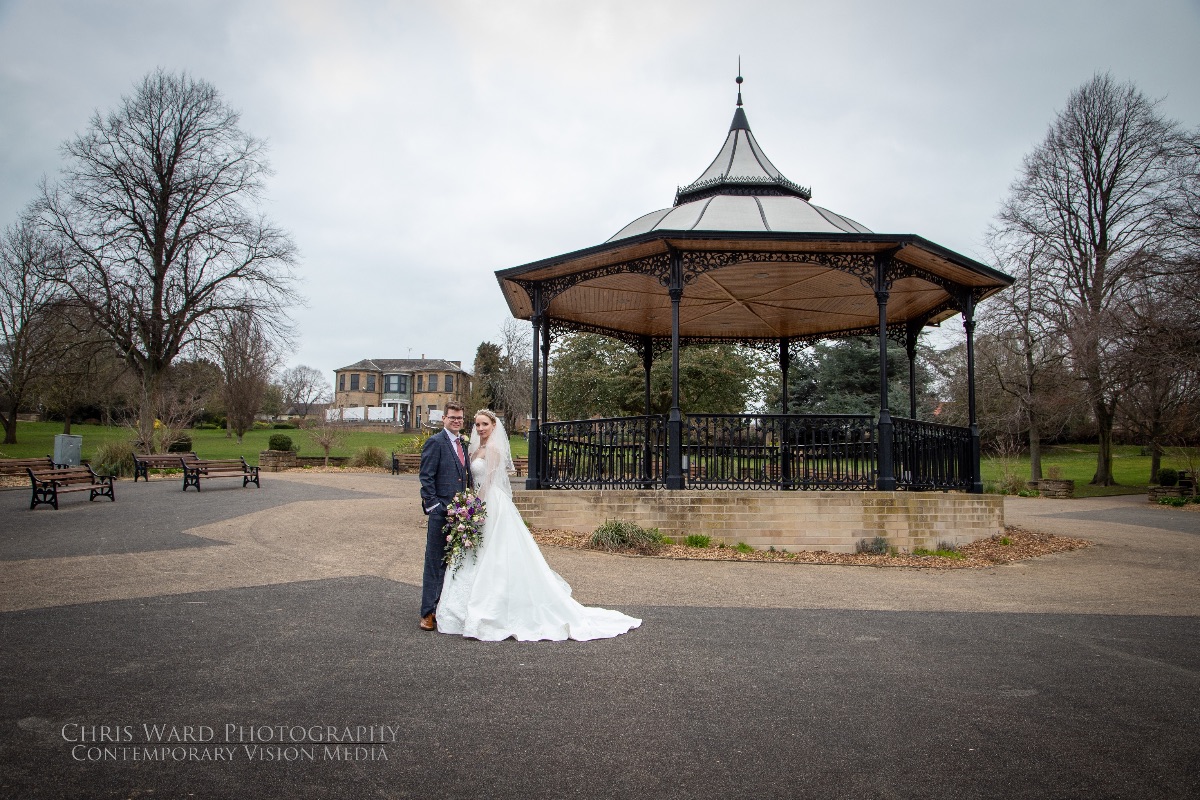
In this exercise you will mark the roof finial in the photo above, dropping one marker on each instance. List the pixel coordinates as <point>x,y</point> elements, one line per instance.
<point>739,82</point>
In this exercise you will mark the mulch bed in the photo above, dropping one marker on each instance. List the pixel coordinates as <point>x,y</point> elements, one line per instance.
<point>991,552</point>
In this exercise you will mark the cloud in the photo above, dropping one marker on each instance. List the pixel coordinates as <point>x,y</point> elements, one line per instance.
<point>419,147</point>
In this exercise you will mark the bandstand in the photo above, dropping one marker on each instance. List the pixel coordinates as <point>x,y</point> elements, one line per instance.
<point>743,256</point>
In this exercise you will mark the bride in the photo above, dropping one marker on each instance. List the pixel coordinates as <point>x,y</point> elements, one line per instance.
<point>506,589</point>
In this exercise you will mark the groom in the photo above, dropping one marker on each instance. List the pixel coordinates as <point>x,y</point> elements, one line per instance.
<point>444,472</point>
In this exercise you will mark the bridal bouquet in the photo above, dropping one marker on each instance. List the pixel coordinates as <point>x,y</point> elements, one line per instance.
<point>464,527</point>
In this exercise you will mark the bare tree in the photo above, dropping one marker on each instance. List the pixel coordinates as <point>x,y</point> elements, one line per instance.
<point>1097,202</point>
<point>82,371</point>
<point>247,361</point>
<point>326,437</point>
<point>1160,366</point>
<point>303,387</point>
<point>513,386</point>
<point>27,331</point>
<point>153,211</point>
<point>1022,352</point>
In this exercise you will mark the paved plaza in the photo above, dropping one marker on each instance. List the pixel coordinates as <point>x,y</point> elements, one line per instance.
<point>263,643</point>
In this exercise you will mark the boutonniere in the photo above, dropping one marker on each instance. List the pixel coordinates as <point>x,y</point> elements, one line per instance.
<point>464,439</point>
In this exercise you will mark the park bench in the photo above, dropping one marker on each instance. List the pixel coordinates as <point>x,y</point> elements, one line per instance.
<point>49,483</point>
<point>193,471</point>
<point>142,464</point>
<point>1187,482</point>
<point>19,466</point>
<point>411,462</point>
<point>405,462</point>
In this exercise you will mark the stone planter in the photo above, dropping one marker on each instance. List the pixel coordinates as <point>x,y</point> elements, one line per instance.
<point>276,460</point>
<point>1056,489</point>
<point>319,461</point>
<point>1157,492</point>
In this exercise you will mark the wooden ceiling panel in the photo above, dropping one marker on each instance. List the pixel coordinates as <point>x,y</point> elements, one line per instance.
<point>751,299</point>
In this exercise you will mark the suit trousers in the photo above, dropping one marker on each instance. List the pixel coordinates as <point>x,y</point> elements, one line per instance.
<point>435,564</point>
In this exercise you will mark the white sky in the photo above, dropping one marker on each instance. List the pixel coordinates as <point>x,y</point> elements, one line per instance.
<point>420,146</point>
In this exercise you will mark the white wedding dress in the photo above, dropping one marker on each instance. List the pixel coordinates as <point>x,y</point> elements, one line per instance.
<point>507,589</point>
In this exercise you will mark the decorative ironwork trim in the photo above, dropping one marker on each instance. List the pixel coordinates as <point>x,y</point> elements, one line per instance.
<point>740,186</point>
<point>634,340</point>
<point>698,262</point>
<point>657,266</point>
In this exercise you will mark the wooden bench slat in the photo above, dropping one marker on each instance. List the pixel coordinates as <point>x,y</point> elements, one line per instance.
<point>49,483</point>
<point>17,466</point>
<point>142,464</point>
<point>193,471</point>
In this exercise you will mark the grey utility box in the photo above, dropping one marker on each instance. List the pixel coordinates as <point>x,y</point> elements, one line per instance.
<point>66,449</point>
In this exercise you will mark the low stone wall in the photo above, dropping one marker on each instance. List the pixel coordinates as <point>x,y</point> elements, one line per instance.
<point>832,521</point>
<point>1157,492</point>
<point>276,460</point>
<point>1057,489</point>
<point>319,461</point>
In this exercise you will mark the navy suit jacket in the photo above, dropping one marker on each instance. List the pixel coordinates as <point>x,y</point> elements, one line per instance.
<point>441,475</point>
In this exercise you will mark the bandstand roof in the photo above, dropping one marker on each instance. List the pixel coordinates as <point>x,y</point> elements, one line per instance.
<point>758,262</point>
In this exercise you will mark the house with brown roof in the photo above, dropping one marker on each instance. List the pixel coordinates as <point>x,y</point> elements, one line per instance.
<point>407,392</point>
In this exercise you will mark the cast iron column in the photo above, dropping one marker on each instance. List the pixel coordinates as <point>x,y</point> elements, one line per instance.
<point>886,480</point>
<point>647,445</point>
<point>545,367</point>
<point>533,481</point>
<point>968,311</point>
<point>675,420</point>
<point>914,332</point>
<point>647,365</point>
<point>785,437</point>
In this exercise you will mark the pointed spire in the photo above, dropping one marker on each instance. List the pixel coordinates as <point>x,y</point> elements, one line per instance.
<point>740,167</point>
<point>739,81</point>
<point>739,114</point>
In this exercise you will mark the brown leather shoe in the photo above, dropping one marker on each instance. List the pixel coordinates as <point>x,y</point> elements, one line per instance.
<point>428,623</point>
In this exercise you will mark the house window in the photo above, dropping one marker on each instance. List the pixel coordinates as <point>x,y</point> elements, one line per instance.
<point>342,382</point>
<point>403,385</point>
<point>391,384</point>
<point>354,382</point>
<point>370,383</point>
<point>433,383</point>
<point>449,383</point>
<point>420,383</point>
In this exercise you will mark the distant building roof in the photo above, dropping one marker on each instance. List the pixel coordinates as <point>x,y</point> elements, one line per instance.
<point>405,365</point>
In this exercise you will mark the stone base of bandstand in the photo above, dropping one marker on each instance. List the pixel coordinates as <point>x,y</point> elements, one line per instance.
<point>801,520</point>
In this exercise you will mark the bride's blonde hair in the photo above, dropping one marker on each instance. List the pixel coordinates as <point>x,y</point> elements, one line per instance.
<point>487,412</point>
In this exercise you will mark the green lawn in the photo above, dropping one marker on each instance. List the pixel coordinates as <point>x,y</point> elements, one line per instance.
<point>1078,463</point>
<point>37,439</point>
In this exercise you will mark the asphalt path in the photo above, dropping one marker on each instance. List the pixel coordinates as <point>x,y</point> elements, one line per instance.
<point>263,643</point>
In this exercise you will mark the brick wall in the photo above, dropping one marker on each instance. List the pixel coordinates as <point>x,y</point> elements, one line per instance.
<point>833,521</point>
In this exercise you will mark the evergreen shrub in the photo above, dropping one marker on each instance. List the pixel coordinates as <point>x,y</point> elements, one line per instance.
<point>1168,477</point>
<point>370,456</point>
<point>279,441</point>
<point>181,445</point>
<point>617,535</point>
<point>113,458</point>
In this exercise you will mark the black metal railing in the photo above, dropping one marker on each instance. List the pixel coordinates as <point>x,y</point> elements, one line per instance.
<point>620,453</point>
<point>931,456</point>
<point>754,451</point>
<point>780,451</point>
